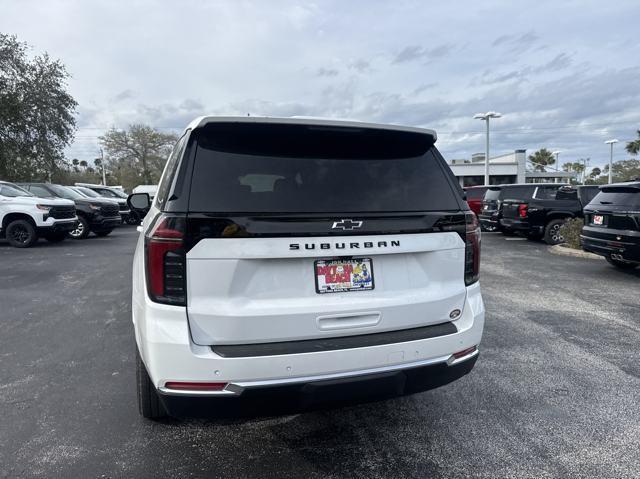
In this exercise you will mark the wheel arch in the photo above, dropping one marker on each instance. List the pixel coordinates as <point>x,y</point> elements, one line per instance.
<point>10,217</point>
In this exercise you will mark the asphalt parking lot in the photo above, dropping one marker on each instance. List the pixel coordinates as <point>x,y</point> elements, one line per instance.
<point>554,393</point>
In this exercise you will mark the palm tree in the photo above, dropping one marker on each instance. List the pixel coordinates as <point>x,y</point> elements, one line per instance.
<point>83,163</point>
<point>633,147</point>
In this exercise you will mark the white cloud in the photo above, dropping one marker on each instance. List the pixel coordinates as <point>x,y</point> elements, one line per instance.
<point>564,75</point>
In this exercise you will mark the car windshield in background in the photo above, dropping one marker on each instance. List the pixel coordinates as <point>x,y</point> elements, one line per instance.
<point>65,192</point>
<point>300,169</point>
<point>109,193</point>
<point>618,196</point>
<point>12,191</point>
<point>88,192</point>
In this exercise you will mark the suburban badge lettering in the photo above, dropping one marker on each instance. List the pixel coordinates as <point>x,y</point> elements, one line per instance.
<point>354,245</point>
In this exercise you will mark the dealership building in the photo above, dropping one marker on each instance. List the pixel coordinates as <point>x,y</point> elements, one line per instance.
<point>508,168</point>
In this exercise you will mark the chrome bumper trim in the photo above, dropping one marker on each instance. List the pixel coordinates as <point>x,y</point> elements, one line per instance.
<point>236,388</point>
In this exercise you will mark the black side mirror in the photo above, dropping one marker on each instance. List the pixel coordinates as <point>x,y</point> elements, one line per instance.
<point>139,202</point>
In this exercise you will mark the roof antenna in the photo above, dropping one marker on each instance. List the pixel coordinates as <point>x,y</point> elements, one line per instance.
<point>248,114</point>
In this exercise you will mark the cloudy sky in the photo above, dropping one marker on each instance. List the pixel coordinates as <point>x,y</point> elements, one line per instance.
<point>566,75</point>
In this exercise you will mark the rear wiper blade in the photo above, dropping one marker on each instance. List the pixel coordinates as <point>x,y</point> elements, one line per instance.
<point>605,202</point>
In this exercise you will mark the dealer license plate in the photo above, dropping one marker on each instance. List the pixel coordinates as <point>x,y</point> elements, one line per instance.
<point>342,275</point>
<point>598,220</point>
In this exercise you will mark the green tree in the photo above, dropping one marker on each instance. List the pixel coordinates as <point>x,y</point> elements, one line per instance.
<point>541,159</point>
<point>595,172</point>
<point>633,147</point>
<point>36,113</point>
<point>624,170</point>
<point>137,155</point>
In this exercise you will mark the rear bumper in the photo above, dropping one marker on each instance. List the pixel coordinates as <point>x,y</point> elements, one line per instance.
<point>169,354</point>
<point>515,225</point>
<point>606,244</point>
<point>299,395</point>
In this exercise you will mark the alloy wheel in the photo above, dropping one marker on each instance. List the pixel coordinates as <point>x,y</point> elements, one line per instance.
<point>20,234</point>
<point>78,231</point>
<point>555,234</point>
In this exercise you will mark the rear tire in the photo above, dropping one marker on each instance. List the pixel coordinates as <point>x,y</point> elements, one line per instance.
<point>81,230</point>
<point>623,265</point>
<point>149,404</point>
<point>133,219</point>
<point>21,234</point>
<point>55,237</point>
<point>102,232</point>
<point>552,234</point>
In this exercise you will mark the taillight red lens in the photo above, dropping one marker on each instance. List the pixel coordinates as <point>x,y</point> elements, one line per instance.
<point>472,249</point>
<point>166,261</point>
<point>522,210</point>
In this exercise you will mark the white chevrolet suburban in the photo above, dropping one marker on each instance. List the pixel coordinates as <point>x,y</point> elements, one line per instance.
<point>25,217</point>
<point>312,260</point>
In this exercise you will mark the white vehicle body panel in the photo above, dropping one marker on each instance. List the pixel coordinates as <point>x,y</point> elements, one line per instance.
<point>27,205</point>
<point>257,290</point>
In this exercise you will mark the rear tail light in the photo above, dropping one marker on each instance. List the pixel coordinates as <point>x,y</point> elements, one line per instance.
<point>166,260</point>
<point>522,210</point>
<point>472,249</point>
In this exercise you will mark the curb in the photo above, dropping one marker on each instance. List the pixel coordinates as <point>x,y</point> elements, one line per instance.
<point>564,251</point>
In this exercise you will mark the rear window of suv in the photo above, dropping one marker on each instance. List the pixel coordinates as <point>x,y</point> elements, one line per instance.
<point>618,196</point>
<point>274,168</point>
<point>475,193</point>
<point>509,193</point>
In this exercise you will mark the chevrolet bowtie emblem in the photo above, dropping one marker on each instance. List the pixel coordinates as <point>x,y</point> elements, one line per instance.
<point>346,225</point>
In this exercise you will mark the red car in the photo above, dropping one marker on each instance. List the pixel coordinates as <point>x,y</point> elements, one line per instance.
<point>475,195</point>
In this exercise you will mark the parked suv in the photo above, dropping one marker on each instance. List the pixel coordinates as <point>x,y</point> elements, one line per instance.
<point>475,197</point>
<point>548,209</point>
<point>94,214</point>
<point>491,212</point>
<point>114,194</point>
<point>612,224</point>
<point>311,259</point>
<point>24,217</point>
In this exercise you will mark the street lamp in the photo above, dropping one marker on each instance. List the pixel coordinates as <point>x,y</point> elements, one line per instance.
<point>486,116</point>
<point>556,154</point>
<point>611,142</point>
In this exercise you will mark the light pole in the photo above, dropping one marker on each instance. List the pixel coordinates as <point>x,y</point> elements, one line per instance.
<point>611,142</point>
<point>585,162</point>
<point>486,116</point>
<point>556,154</point>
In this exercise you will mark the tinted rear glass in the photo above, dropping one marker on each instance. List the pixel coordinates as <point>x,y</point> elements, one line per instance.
<point>517,192</point>
<point>475,193</point>
<point>618,197</point>
<point>546,192</point>
<point>265,168</point>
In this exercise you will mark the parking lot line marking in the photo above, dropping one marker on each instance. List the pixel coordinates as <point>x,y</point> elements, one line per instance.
<point>516,239</point>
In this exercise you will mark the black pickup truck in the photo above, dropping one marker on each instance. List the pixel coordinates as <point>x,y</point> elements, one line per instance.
<point>546,211</point>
